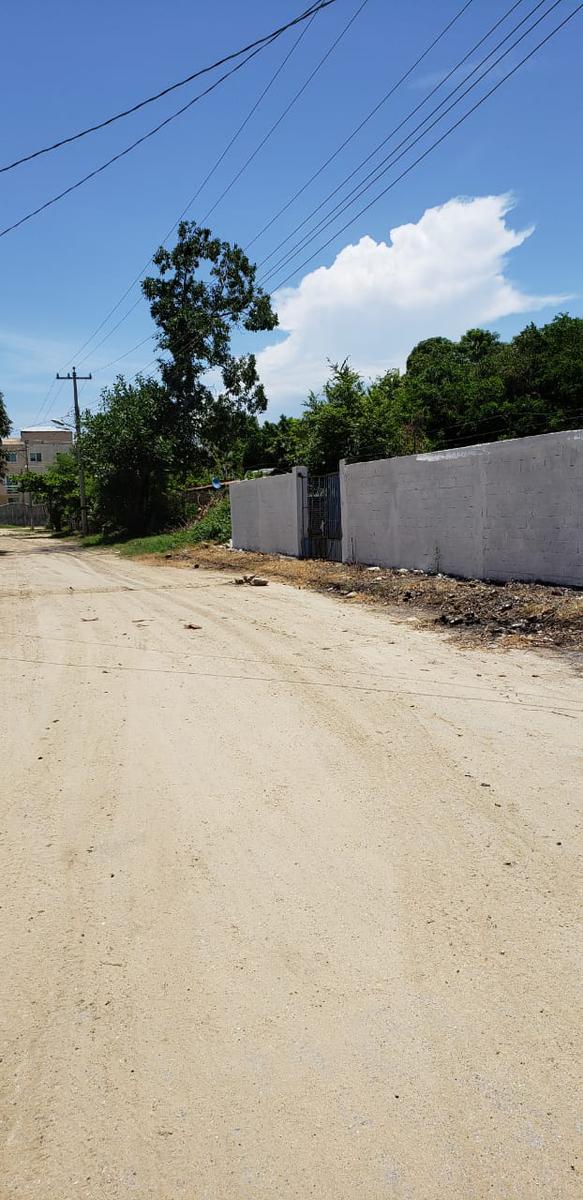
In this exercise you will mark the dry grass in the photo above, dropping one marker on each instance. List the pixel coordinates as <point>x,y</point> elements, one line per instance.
<point>511,614</point>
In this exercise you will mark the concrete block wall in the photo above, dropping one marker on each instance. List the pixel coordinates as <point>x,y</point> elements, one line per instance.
<point>267,514</point>
<point>505,510</point>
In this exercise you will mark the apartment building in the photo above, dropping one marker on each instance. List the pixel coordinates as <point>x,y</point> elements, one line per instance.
<point>34,450</point>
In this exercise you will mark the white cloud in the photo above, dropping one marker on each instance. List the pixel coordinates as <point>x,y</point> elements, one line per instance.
<point>440,276</point>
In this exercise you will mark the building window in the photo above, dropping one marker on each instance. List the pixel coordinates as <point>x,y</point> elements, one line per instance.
<point>11,456</point>
<point>36,456</point>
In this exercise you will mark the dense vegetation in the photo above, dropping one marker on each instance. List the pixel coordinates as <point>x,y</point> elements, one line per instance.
<point>478,389</point>
<point>153,437</point>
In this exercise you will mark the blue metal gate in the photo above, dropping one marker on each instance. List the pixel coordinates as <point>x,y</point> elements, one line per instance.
<point>322,517</point>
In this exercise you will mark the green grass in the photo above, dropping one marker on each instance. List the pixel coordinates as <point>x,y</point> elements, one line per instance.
<point>215,526</point>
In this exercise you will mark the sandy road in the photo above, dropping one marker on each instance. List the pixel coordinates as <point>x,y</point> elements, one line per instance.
<point>288,902</point>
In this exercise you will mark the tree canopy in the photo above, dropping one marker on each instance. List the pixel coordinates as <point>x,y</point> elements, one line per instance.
<point>57,487</point>
<point>129,456</point>
<point>205,291</point>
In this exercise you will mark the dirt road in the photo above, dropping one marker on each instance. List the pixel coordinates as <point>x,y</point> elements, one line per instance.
<point>288,901</point>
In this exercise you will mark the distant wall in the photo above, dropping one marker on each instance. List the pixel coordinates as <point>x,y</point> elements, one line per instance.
<point>266,514</point>
<point>23,514</point>
<point>506,510</point>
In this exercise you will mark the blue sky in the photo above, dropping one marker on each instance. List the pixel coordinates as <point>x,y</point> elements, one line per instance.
<point>66,65</point>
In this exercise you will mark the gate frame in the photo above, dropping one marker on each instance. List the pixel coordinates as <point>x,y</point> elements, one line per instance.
<point>308,539</point>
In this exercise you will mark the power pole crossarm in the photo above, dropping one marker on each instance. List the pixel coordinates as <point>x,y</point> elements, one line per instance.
<point>82,499</point>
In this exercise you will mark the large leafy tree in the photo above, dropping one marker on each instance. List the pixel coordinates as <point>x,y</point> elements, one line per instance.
<point>58,488</point>
<point>129,456</point>
<point>449,389</point>
<point>205,292</point>
<point>481,389</point>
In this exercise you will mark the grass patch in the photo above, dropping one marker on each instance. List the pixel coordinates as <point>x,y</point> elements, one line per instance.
<point>215,526</point>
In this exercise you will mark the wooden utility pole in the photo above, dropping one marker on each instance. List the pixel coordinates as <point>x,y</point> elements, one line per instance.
<point>82,500</point>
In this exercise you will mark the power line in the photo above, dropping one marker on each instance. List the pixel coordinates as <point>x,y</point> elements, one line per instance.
<point>208,176</point>
<point>113,328</point>
<point>387,95</point>
<point>456,125</point>
<point>403,77</point>
<point>127,353</point>
<point>275,125</point>
<point>288,108</point>
<point>450,130</point>
<point>365,121</point>
<point>324,221</point>
<point>139,141</point>
<point>259,43</point>
<point>434,145</point>
<point>128,149</point>
<point>242,126</point>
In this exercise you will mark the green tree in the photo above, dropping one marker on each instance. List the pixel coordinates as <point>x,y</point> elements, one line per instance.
<point>331,419</point>
<point>58,488</point>
<point>381,429</point>
<point>543,376</point>
<point>351,420</point>
<point>129,456</point>
<point>205,291</point>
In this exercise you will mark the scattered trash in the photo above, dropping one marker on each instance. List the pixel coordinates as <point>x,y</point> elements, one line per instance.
<point>476,610</point>
<point>373,568</point>
<point>191,626</point>
<point>89,618</point>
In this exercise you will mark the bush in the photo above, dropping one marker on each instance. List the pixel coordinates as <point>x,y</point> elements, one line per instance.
<point>215,526</point>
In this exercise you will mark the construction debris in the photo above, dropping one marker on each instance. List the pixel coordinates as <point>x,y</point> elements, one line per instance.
<point>508,614</point>
<point>251,580</point>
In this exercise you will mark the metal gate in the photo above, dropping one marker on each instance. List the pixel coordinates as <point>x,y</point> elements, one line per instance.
<point>322,517</point>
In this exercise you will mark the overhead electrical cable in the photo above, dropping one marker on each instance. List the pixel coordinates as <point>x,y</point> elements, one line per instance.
<point>287,109</point>
<point>208,176</point>
<point>448,131</point>
<point>408,142</point>
<point>453,71</point>
<point>365,120</point>
<point>272,129</point>
<point>435,144</point>
<point>139,141</point>
<point>259,43</point>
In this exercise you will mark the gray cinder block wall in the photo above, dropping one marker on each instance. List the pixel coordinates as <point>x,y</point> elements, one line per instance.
<point>266,514</point>
<point>505,510</point>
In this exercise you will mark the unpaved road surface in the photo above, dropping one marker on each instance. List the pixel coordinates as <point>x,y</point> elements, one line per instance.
<point>289,901</point>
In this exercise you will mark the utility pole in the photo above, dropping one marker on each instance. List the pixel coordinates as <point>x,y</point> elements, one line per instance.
<point>82,501</point>
<point>31,523</point>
